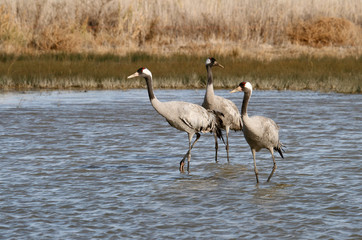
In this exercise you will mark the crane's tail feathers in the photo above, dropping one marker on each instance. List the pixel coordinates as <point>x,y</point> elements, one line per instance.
<point>219,134</point>
<point>219,124</point>
<point>280,149</point>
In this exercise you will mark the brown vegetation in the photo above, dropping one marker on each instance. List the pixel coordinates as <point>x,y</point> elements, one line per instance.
<point>96,71</point>
<point>252,28</point>
<point>326,32</point>
<point>92,44</point>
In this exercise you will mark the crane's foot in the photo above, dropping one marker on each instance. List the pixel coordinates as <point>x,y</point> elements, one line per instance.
<point>182,163</point>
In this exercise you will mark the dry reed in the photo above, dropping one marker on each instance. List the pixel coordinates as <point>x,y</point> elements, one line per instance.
<point>246,28</point>
<point>325,32</point>
<point>257,39</point>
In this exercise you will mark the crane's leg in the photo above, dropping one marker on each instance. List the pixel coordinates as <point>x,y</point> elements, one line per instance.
<point>216,147</point>
<point>190,147</point>
<point>227,141</point>
<point>255,169</point>
<point>274,164</point>
<point>188,154</point>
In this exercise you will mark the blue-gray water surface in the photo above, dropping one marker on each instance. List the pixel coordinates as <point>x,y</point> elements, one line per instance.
<point>104,165</point>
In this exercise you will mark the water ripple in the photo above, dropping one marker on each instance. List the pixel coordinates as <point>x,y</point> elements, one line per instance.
<point>104,164</point>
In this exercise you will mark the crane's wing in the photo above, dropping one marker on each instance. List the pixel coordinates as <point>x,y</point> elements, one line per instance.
<point>230,111</point>
<point>188,116</point>
<point>265,129</point>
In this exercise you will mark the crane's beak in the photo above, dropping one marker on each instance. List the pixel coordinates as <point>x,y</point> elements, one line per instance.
<point>218,64</point>
<point>136,74</point>
<point>238,89</point>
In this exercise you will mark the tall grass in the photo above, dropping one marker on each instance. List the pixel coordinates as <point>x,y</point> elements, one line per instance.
<point>90,71</point>
<point>277,44</point>
<point>244,28</point>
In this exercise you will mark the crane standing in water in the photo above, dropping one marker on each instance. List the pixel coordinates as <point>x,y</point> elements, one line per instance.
<point>188,117</point>
<point>231,118</point>
<point>260,132</point>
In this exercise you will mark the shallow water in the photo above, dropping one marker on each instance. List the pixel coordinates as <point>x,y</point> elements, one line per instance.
<point>104,164</point>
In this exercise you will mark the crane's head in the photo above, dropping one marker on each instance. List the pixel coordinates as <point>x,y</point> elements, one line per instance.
<point>243,87</point>
<point>141,72</point>
<point>212,62</point>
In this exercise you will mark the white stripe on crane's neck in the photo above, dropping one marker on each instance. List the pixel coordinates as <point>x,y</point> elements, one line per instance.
<point>249,86</point>
<point>248,90</point>
<point>147,72</point>
<point>208,61</point>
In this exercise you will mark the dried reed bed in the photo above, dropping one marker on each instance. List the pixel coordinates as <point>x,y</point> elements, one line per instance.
<point>246,28</point>
<point>325,32</point>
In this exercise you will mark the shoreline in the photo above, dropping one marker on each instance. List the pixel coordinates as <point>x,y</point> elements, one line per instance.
<point>82,71</point>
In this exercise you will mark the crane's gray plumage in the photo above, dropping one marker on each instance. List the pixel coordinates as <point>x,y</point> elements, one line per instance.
<point>188,117</point>
<point>259,132</point>
<point>231,117</point>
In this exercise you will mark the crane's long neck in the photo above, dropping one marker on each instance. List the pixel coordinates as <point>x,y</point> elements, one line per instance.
<point>153,99</point>
<point>210,86</point>
<point>149,83</point>
<point>244,107</point>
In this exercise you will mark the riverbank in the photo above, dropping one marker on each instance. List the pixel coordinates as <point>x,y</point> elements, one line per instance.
<point>109,71</point>
<point>66,44</point>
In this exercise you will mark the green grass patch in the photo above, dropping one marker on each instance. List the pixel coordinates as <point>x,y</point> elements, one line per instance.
<point>107,71</point>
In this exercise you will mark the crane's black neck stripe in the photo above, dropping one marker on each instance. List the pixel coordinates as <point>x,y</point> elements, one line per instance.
<point>151,95</point>
<point>244,107</point>
<point>209,75</point>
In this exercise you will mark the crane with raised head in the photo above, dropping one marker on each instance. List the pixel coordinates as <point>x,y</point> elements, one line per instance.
<point>231,118</point>
<point>188,117</point>
<point>259,132</point>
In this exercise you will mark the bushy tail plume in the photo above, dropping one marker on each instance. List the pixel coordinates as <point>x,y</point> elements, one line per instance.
<point>218,125</point>
<point>280,149</point>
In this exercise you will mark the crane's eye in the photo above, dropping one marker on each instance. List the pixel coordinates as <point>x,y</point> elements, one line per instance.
<point>140,70</point>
